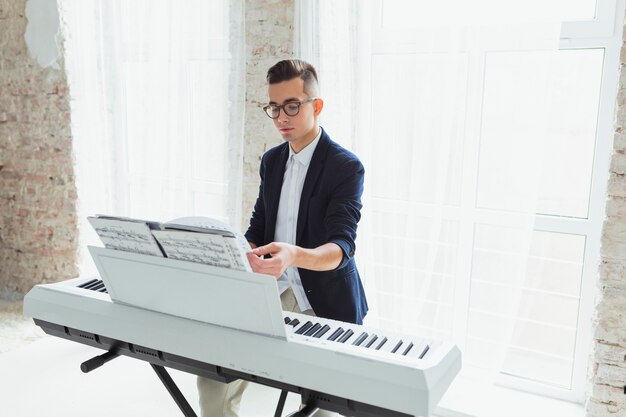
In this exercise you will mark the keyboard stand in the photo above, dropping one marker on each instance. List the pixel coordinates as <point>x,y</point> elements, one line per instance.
<point>163,375</point>
<point>172,388</point>
<point>159,360</point>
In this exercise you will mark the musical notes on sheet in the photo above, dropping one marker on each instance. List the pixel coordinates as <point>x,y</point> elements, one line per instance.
<point>126,235</point>
<point>206,248</point>
<point>194,239</point>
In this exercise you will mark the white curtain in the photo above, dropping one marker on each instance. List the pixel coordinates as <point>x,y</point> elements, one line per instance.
<point>447,105</point>
<point>157,108</point>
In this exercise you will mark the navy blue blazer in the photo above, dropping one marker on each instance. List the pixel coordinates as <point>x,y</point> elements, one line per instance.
<point>330,208</point>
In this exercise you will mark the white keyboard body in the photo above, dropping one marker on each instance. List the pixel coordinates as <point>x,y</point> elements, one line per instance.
<point>393,381</point>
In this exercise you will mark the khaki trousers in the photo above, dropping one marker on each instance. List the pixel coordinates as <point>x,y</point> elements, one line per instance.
<point>218,399</point>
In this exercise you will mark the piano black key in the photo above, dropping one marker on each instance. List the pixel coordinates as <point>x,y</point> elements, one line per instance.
<point>346,336</point>
<point>313,329</point>
<point>424,352</point>
<point>306,326</point>
<point>88,283</point>
<point>92,284</point>
<point>392,344</point>
<point>294,322</point>
<point>408,349</point>
<point>397,346</point>
<point>419,350</point>
<point>335,334</point>
<point>360,339</point>
<point>287,320</point>
<point>382,342</point>
<point>371,341</point>
<point>322,331</point>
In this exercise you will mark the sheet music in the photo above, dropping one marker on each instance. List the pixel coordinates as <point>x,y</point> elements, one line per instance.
<point>126,235</point>
<point>210,249</point>
<point>239,256</point>
<point>236,242</point>
<point>200,224</point>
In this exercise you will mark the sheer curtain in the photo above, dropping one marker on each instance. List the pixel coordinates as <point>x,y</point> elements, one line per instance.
<point>447,104</point>
<point>157,104</point>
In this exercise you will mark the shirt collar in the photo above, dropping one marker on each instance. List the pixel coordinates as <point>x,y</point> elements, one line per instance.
<point>306,154</point>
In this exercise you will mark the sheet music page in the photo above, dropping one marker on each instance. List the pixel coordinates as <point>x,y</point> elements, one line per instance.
<point>131,236</point>
<point>236,241</point>
<point>206,248</point>
<point>238,255</point>
<point>200,224</point>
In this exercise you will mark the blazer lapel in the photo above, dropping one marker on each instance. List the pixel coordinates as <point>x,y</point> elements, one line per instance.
<point>314,171</point>
<point>274,185</point>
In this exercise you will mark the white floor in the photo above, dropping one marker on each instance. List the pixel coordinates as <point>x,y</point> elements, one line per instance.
<point>43,378</point>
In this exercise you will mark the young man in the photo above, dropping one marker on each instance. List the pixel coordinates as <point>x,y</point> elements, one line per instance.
<point>305,218</point>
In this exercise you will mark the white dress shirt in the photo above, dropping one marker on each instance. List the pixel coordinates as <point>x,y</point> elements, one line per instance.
<point>287,217</point>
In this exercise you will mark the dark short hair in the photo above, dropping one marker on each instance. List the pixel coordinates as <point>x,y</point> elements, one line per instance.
<point>289,69</point>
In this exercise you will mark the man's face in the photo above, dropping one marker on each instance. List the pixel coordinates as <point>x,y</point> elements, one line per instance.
<point>300,129</point>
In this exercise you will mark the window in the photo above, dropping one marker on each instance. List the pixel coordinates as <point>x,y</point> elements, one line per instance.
<point>463,133</point>
<point>156,105</point>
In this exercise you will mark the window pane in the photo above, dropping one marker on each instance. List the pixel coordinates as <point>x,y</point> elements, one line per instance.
<point>411,270</point>
<point>208,120</point>
<point>538,131</point>
<point>413,14</point>
<point>578,9</point>
<point>533,299</point>
<point>418,104</point>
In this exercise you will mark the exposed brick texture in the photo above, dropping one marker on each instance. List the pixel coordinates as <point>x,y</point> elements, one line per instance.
<point>607,367</point>
<point>37,192</point>
<point>269,38</point>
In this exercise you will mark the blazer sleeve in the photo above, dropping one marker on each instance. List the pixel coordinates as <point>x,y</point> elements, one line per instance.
<point>256,228</point>
<point>344,209</point>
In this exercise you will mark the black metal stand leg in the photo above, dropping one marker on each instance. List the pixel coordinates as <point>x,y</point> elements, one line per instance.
<point>281,403</point>
<point>307,411</point>
<point>97,361</point>
<point>169,383</point>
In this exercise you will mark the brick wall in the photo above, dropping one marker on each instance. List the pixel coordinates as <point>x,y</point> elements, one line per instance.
<point>269,38</point>
<point>608,367</point>
<point>37,193</point>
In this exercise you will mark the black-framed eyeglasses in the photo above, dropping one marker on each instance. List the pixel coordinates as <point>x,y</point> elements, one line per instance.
<point>291,108</point>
